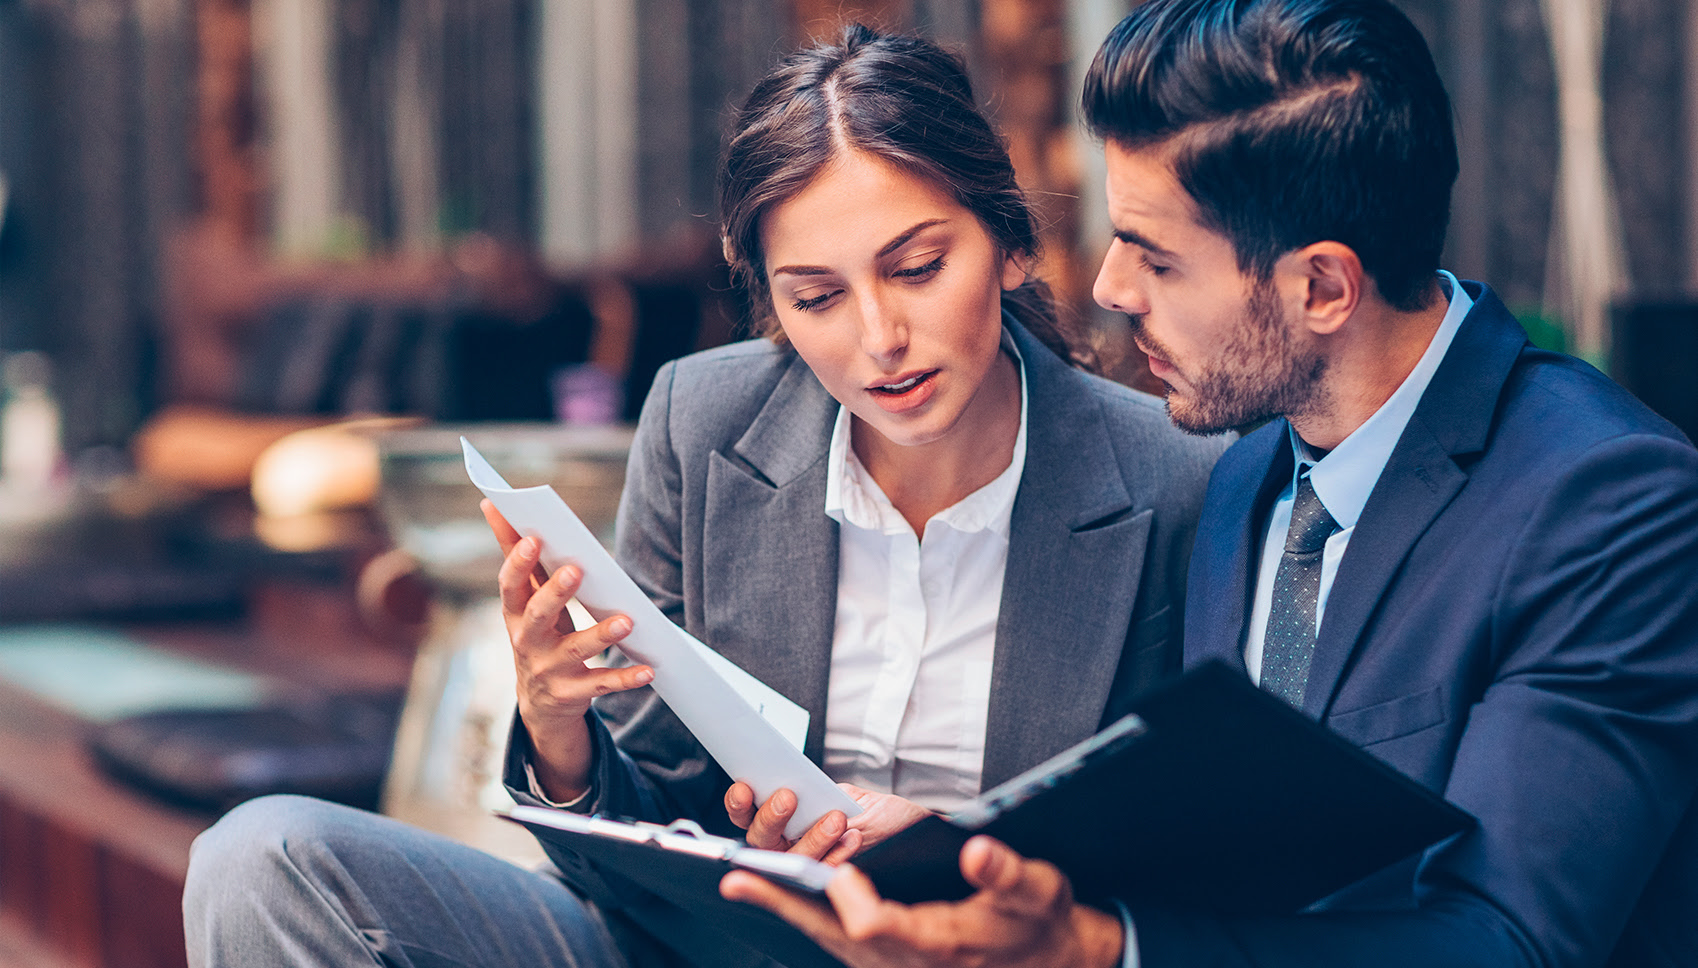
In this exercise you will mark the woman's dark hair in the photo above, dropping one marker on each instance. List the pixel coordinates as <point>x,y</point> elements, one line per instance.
<point>1291,122</point>
<point>901,99</point>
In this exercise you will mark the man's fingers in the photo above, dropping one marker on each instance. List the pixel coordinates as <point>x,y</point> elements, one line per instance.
<point>815,919</point>
<point>1013,882</point>
<point>861,912</point>
<point>766,830</point>
<point>822,836</point>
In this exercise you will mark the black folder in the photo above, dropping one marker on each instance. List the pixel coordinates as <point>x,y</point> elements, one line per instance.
<point>1210,795</point>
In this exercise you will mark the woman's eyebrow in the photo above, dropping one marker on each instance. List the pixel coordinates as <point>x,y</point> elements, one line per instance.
<point>902,240</point>
<point>898,242</point>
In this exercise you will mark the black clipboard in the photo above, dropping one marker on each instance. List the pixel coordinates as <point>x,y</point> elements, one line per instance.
<point>682,865</point>
<point>1211,795</point>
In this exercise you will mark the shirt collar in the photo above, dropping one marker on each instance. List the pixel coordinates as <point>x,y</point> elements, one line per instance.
<point>853,497</point>
<point>1345,477</point>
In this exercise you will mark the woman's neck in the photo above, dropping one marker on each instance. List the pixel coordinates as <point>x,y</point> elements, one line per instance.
<point>922,480</point>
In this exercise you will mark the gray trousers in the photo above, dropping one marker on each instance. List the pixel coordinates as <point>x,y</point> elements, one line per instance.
<point>293,881</point>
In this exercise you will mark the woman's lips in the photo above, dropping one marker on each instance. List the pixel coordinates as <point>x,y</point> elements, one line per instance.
<point>904,393</point>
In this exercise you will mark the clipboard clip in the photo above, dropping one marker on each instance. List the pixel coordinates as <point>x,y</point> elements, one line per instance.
<point>685,837</point>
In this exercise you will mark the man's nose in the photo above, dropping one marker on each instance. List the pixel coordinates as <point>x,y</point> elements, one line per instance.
<point>1117,287</point>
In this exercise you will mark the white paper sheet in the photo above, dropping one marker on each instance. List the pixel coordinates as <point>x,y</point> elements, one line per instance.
<point>750,729</point>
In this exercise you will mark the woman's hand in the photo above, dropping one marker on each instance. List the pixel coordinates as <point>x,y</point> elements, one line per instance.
<point>882,814</point>
<point>554,685</point>
<point>831,839</point>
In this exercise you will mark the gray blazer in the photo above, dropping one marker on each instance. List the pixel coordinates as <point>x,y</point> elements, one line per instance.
<point>723,525</point>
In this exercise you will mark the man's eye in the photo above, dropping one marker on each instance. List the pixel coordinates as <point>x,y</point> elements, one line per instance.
<point>1155,269</point>
<point>921,272</point>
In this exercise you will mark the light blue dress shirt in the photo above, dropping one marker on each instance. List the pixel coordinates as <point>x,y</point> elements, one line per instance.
<point>1344,478</point>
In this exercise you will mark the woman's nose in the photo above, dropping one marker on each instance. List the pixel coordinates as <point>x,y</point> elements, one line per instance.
<point>884,330</point>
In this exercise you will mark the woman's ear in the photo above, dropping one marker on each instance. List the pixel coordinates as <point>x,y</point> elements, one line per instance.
<point>1016,267</point>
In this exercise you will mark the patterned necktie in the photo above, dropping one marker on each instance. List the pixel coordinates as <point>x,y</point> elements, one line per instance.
<point>1289,642</point>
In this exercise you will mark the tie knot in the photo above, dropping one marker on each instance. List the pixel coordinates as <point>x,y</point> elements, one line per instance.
<point>1311,525</point>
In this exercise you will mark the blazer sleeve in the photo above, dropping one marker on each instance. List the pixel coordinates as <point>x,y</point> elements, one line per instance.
<point>647,766</point>
<point>1588,722</point>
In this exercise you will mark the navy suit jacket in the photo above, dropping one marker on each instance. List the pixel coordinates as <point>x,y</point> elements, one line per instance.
<point>1514,624</point>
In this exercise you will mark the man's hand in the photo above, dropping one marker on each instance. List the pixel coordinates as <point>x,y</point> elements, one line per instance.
<point>1022,915</point>
<point>831,839</point>
<point>554,685</point>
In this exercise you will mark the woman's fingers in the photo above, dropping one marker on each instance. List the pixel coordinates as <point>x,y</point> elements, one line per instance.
<point>521,574</point>
<point>604,682</point>
<point>740,804</point>
<point>847,846</point>
<point>508,538</point>
<point>504,532</point>
<point>822,836</point>
<point>766,830</point>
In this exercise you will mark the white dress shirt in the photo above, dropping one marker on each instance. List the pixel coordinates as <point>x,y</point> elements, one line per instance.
<point>909,688</point>
<point>1344,478</point>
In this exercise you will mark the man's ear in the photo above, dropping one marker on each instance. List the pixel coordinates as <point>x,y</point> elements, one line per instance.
<point>1325,281</point>
<point>1016,268</point>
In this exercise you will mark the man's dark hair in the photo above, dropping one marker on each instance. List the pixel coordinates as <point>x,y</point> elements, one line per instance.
<point>1291,122</point>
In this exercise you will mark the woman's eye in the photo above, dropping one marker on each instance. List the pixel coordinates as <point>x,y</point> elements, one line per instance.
<point>921,272</point>
<point>813,302</point>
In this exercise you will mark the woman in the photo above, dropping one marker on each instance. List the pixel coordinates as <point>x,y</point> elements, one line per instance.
<point>904,509</point>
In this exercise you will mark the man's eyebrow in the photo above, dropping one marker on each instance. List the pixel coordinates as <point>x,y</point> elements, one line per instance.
<point>1133,238</point>
<point>902,239</point>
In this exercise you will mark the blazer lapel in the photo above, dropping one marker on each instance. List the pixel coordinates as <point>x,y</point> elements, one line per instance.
<point>770,551</point>
<point>1229,545</point>
<point>1454,418</point>
<point>1053,664</point>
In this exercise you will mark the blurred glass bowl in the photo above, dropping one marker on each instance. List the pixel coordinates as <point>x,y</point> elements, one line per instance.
<point>431,508</point>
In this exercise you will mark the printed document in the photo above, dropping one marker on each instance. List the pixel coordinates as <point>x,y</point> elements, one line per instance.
<point>754,732</point>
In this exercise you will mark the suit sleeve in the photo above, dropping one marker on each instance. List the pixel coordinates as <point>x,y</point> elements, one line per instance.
<point>1579,759</point>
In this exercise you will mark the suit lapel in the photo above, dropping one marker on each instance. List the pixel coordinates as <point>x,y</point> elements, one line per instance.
<point>770,551</point>
<point>1229,544</point>
<point>1054,663</point>
<point>1420,479</point>
<point>1418,482</point>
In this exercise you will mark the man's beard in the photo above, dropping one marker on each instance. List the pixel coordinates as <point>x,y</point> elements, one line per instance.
<point>1259,374</point>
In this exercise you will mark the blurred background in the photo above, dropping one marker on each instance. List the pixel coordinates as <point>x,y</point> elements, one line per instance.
<point>185,181</point>
<point>263,261</point>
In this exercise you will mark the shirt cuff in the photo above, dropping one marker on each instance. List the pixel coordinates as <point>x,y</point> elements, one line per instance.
<point>536,791</point>
<point>1129,953</point>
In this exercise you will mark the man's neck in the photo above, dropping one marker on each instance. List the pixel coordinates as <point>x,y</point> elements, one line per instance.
<point>1367,360</point>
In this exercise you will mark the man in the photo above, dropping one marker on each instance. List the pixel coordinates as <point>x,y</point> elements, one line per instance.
<point>1473,558</point>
